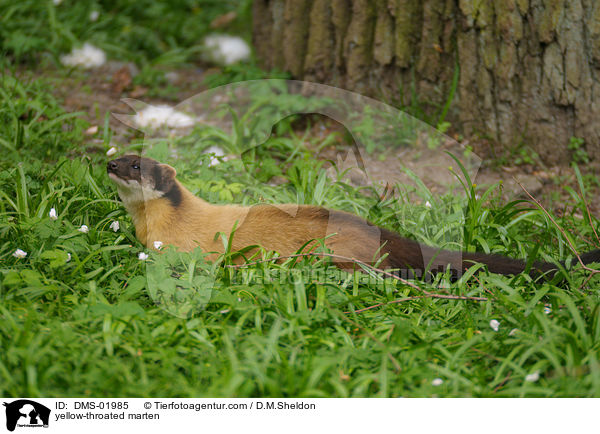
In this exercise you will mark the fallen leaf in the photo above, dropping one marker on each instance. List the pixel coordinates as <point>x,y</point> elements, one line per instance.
<point>223,20</point>
<point>138,91</point>
<point>121,80</point>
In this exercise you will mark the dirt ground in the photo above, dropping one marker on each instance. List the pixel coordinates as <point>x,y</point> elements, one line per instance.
<point>101,90</point>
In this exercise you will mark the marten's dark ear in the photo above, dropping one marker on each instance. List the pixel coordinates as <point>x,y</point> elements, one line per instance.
<point>168,172</point>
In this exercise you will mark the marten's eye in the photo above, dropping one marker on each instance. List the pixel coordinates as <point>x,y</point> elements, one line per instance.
<point>135,166</point>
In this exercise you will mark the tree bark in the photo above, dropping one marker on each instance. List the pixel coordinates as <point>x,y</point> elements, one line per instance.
<point>529,70</point>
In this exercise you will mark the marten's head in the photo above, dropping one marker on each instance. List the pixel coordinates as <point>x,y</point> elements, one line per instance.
<point>141,179</point>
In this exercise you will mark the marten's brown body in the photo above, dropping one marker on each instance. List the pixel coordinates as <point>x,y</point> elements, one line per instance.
<point>164,210</point>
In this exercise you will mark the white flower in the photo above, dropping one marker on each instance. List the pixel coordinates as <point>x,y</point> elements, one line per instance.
<point>84,229</point>
<point>91,130</point>
<point>142,256</point>
<point>161,115</point>
<point>437,382</point>
<point>172,77</point>
<point>179,120</point>
<point>428,204</point>
<point>20,253</point>
<point>94,15</point>
<point>495,324</point>
<point>157,244</point>
<point>115,226</point>
<point>112,151</point>
<point>52,214</point>
<point>87,56</point>
<point>533,377</point>
<point>56,2</point>
<point>68,256</point>
<point>216,152</point>
<point>513,332</point>
<point>225,49</point>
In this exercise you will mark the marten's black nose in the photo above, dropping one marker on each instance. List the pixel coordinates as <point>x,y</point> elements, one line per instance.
<point>112,165</point>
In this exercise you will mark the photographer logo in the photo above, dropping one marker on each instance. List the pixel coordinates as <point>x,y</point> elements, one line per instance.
<point>25,413</point>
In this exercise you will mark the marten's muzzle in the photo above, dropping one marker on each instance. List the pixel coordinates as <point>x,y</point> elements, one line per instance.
<point>125,168</point>
<point>112,166</point>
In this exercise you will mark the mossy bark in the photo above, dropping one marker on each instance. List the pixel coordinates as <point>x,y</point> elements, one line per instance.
<point>529,69</point>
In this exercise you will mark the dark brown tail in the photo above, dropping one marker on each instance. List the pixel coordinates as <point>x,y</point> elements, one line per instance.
<point>508,266</point>
<point>416,260</point>
<point>589,257</point>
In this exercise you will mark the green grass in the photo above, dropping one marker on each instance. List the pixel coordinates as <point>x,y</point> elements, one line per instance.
<point>88,326</point>
<point>144,31</point>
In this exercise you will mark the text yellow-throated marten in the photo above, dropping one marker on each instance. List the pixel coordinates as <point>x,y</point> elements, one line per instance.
<point>164,210</point>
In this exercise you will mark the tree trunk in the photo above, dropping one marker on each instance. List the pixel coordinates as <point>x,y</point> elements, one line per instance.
<point>529,69</point>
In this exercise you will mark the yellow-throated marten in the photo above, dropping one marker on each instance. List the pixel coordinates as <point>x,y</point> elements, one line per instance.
<point>163,210</point>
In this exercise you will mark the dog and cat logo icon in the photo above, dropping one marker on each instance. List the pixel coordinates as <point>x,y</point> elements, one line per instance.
<point>26,413</point>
